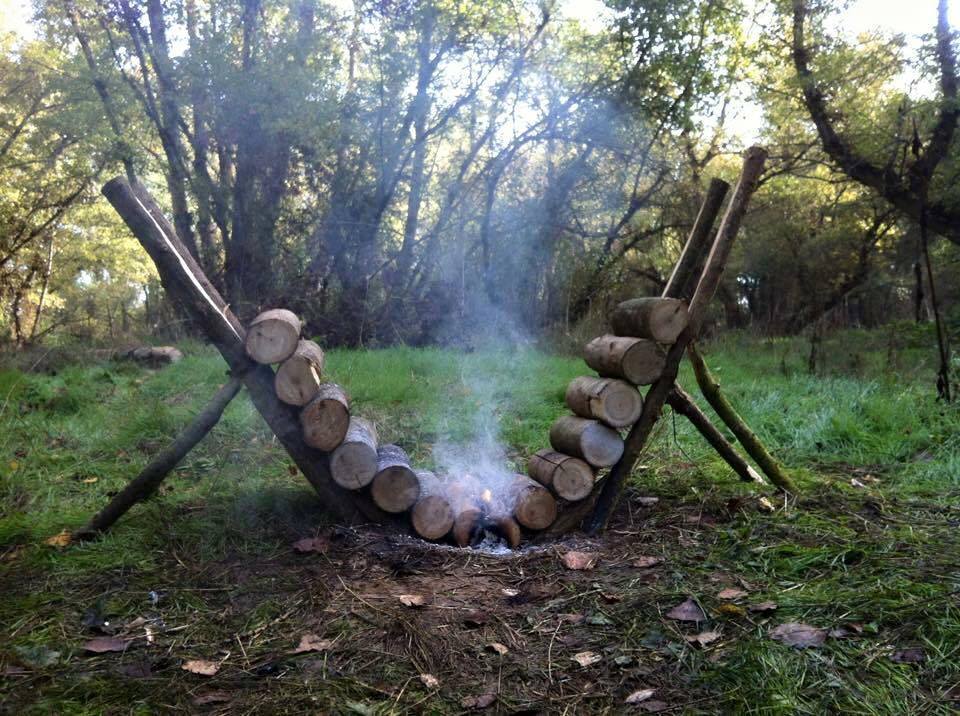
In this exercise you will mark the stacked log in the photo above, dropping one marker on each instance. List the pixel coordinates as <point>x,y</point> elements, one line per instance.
<point>395,487</point>
<point>432,515</point>
<point>570,478</point>
<point>353,463</point>
<point>657,319</point>
<point>326,417</point>
<point>635,360</point>
<point>273,336</point>
<point>589,440</point>
<point>613,402</point>
<point>299,377</point>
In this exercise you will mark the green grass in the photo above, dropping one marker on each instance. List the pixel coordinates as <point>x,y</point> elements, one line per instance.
<point>214,541</point>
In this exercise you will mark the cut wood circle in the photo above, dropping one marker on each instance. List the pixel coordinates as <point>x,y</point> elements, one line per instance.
<point>299,377</point>
<point>636,360</point>
<point>326,418</point>
<point>569,477</point>
<point>395,488</point>
<point>614,402</point>
<point>659,319</point>
<point>273,336</point>
<point>587,439</point>
<point>534,507</point>
<point>432,516</point>
<point>353,464</point>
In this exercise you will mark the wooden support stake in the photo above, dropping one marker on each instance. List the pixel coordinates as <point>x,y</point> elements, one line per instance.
<point>149,479</point>
<point>658,393</point>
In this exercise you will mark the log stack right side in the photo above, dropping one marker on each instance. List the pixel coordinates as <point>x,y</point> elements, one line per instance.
<point>589,441</point>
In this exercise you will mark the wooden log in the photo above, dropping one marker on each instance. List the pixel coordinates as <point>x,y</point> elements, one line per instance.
<point>589,440</point>
<point>273,336</point>
<point>183,279</point>
<point>326,418</point>
<point>613,402</point>
<point>683,280</point>
<point>570,478</point>
<point>497,516</point>
<point>657,319</point>
<point>636,360</point>
<point>299,377</point>
<point>467,512</point>
<point>353,463</point>
<point>507,527</point>
<point>395,487</point>
<point>533,505</point>
<point>432,516</point>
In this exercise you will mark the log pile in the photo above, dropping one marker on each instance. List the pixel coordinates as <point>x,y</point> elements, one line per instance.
<point>464,508</point>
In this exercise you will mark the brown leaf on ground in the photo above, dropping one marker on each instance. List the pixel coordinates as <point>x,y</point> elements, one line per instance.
<point>478,702</point>
<point>646,562</point>
<point>911,655</point>
<point>731,593</point>
<point>311,642</point>
<point>572,618</point>
<point>801,636</point>
<point>497,647</point>
<point>763,607</point>
<point>201,667</point>
<point>703,638</point>
<point>846,630</point>
<point>638,696</point>
<point>430,681</point>
<point>653,706</point>
<point>611,598</point>
<point>412,600</point>
<point>103,644</point>
<point>586,658</point>
<point>476,618</point>
<point>318,545</point>
<point>61,540</point>
<point>212,697</point>
<point>687,611</point>
<point>579,560</point>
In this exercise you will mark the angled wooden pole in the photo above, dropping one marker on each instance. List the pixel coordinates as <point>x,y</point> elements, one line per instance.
<point>659,392</point>
<point>149,479</point>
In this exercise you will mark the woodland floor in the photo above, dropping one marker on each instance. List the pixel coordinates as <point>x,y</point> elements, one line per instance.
<point>206,570</point>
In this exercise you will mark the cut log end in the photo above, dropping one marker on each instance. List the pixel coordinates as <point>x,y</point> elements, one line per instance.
<point>299,377</point>
<point>273,336</point>
<point>354,463</point>
<point>534,507</point>
<point>614,402</point>
<point>326,418</point>
<point>657,319</point>
<point>396,487</point>
<point>432,517</point>
<point>570,478</point>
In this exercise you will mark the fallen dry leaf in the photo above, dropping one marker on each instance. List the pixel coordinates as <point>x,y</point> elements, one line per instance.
<point>801,636</point>
<point>430,681</point>
<point>311,642</point>
<point>646,562</point>
<point>704,638</point>
<point>641,695</point>
<point>762,607</point>
<point>318,545</point>
<point>478,702</point>
<point>653,706</point>
<point>412,600</point>
<point>579,560</point>
<point>62,539</point>
<point>687,611</point>
<point>103,644</point>
<point>586,658</point>
<point>765,505</point>
<point>212,697</point>
<point>731,593</point>
<point>572,618</point>
<point>509,593</point>
<point>476,618</point>
<point>610,597</point>
<point>911,655</point>
<point>497,647</point>
<point>201,667</point>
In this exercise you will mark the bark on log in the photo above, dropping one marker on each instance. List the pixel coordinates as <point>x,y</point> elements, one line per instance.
<point>432,516</point>
<point>144,484</point>
<point>683,280</point>
<point>273,336</point>
<point>183,279</point>
<point>656,319</point>
<point>326,418</point>
<point>569,478</point>
<point>754,160</point>
<point>683,404</point>
<point>613,402</point>
<point>533,505</point>
<point>395,488</point>
<point>636,360</point>
<point>299,377</point>
<point>353,463</point>
<point>589,440</point>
